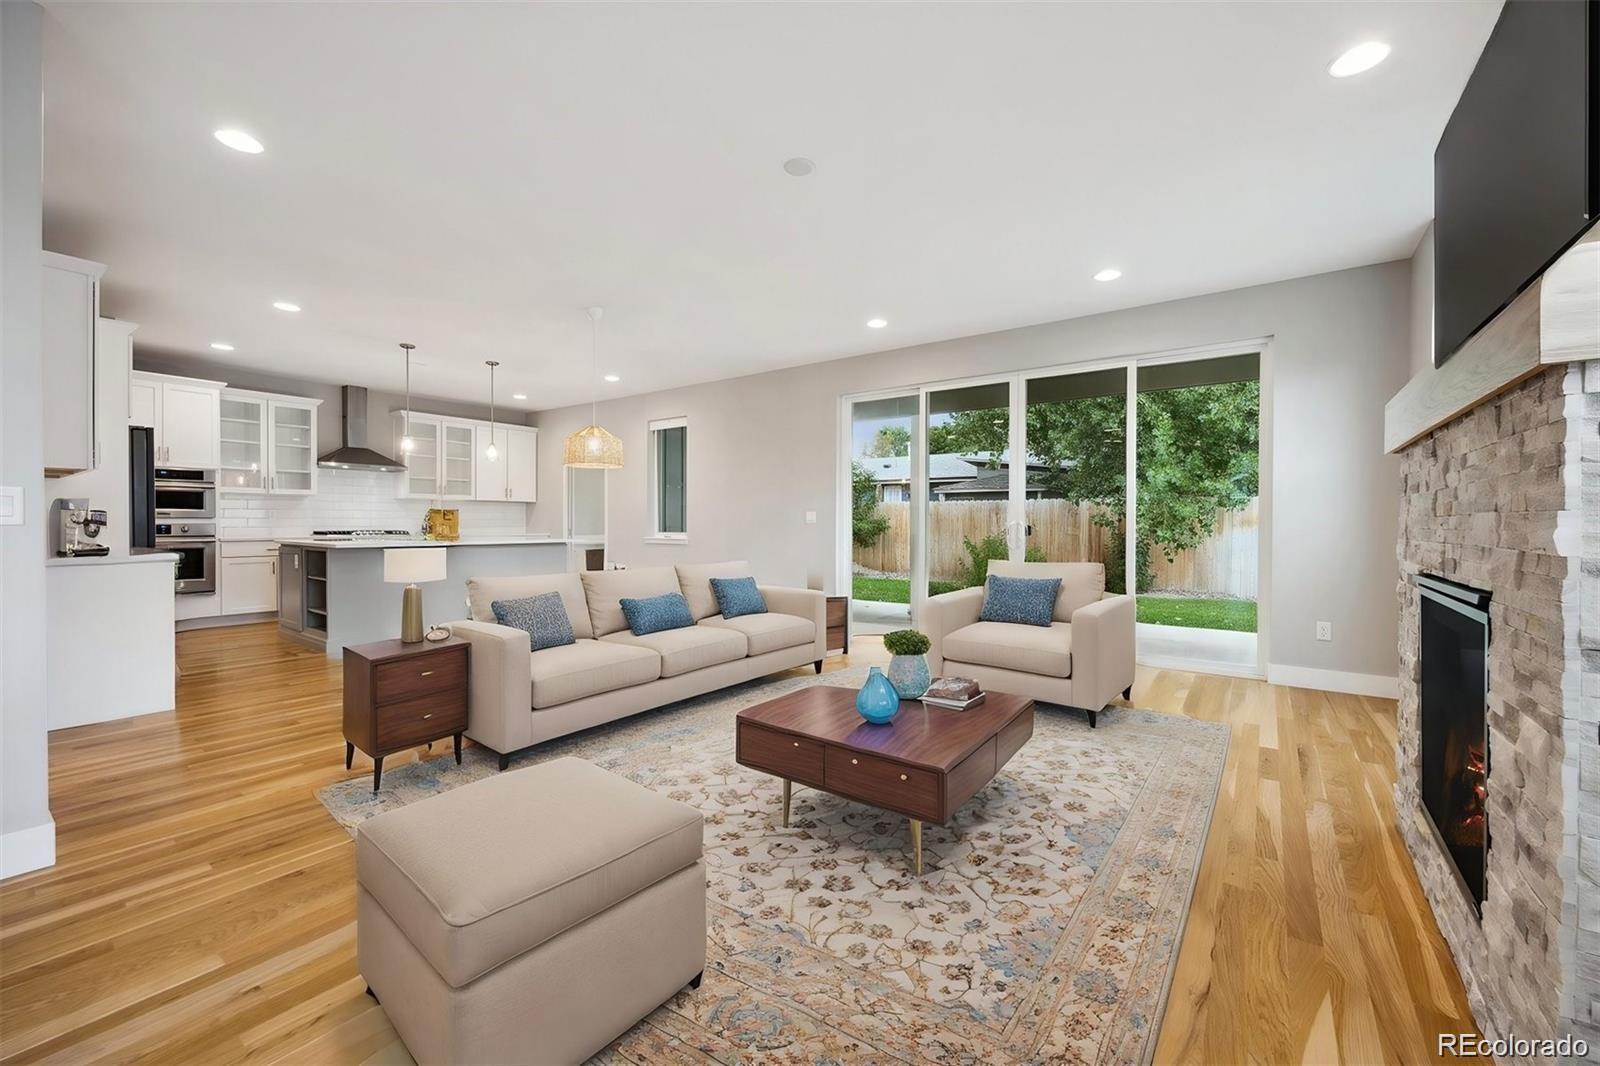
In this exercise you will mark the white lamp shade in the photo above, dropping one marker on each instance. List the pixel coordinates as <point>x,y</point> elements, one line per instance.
<point>413,566</point>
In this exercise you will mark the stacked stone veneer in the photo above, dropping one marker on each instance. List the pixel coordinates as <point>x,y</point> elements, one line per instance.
<point>1507,498</point>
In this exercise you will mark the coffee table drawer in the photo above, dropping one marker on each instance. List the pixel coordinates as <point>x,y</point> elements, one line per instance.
<point>779,753</point>
<point>882,783</point>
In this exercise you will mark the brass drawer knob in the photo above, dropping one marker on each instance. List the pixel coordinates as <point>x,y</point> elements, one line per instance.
<point>797,743</point>
<point>853,762</point>
<point>902,777</point>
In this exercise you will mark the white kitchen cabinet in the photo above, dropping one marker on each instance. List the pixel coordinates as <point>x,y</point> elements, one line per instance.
<point>513,474</point>
<point>247,577</point>
<point>457,460</point>
<point>185,414</point>
<point>70,311</point>
<point>522,464</point>
<point>269,443</point>
<point>422,461</point>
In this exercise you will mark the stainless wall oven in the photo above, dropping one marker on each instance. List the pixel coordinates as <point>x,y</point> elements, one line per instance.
<point>184,494</point>
<point>195,544</point>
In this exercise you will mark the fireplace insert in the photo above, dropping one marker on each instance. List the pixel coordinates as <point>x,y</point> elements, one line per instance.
<point>1455,736</point>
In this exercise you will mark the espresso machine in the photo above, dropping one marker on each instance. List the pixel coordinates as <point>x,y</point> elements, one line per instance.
<point>77,528</point>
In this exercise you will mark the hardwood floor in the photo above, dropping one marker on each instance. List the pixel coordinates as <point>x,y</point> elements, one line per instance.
<point>202,909</point>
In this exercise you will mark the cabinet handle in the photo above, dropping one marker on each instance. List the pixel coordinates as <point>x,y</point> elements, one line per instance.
<point>427,716</point>
<point>797,743</point>
<point>427,673</point>
<point>853,762</point>
<point>902,777</point>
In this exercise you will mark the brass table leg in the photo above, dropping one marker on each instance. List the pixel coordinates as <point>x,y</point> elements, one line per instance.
<point>786,803</point>
<point>916,845</point>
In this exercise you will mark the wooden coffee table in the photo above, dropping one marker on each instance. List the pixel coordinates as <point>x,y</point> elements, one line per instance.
<point>925,764</point>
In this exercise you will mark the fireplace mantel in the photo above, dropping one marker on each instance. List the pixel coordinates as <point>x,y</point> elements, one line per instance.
<point>1554,320</point>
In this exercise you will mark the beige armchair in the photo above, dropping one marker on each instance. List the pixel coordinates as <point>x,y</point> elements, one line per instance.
<point>1084,658</point>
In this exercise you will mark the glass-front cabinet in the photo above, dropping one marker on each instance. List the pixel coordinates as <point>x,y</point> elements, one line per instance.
<point>244,443</point>
<point>422,458</point>
<point>268,443</point>
<point>456,461</point>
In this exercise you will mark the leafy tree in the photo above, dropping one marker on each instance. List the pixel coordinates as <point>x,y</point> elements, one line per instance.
<point>890,441</point>
<point>866,523</point>
<point>1197,454</point>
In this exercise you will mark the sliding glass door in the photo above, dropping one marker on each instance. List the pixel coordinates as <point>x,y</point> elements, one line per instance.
<point>1148,465</point>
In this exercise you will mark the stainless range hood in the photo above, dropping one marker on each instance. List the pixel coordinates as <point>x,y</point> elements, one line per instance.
<point>354,453</point>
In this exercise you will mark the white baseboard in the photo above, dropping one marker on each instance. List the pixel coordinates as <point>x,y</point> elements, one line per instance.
<point>22,850</point>
<point>1381,685</point>
<point>1199,666</point>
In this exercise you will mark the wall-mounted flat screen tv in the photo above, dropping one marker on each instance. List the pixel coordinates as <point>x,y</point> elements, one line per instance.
<point>1516,176</point>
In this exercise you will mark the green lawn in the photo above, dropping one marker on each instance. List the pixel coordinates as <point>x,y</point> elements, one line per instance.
<point>893,589</point>
<point>1195,613</point>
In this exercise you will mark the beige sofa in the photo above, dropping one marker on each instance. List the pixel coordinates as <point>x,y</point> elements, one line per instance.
<point>517,698</point>
<point>1084,658</point>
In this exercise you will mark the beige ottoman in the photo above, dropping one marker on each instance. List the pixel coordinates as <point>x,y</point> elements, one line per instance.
<point>530,917</point>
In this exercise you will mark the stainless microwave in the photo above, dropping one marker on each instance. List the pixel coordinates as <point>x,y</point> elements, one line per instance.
<point>182,493</point>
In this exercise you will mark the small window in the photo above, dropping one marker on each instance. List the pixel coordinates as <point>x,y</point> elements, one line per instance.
<point>669,461</point>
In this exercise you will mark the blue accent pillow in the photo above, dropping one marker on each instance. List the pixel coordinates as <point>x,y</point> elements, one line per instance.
<point>1029,601</point>
<point>544,617</point>
<point>657,613</point>
<point>737,596</point>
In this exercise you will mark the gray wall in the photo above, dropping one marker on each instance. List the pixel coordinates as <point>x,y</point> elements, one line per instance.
<point>762,449</point>
<point>24,752</point>
<point>1422,305</point>
<point>380,403</point>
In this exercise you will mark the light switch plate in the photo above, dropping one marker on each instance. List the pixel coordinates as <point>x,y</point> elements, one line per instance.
<point>10,505</point>
<point>811,518</point>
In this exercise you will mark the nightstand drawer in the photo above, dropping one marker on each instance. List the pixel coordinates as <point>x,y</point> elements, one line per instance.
<point>882,783</point>
<point>421,719</point>
<point>778,753</point>
<point>417,675</point>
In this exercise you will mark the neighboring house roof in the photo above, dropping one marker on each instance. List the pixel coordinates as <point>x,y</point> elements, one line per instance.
<point>949,466</point>
<point>988,481</point>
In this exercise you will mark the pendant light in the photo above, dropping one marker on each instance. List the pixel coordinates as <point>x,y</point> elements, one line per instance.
<point>406,443</point>
<point>491,453</point>
<point>593,447</point>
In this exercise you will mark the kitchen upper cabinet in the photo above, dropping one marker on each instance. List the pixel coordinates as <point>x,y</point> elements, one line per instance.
<point>422,461</point>
<point>457,460</point>
<point>513,474</point>
<point>269,443</point>
<point>70,311</point>
<point>185,414</point>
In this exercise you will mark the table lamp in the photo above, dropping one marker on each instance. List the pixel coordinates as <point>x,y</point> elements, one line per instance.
<point>409,566</point>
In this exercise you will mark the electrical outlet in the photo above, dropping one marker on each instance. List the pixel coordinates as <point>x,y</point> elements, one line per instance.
<point>1324,630</point>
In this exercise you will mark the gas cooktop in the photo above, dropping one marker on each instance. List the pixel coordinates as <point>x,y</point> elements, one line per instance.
<point>353,534</point>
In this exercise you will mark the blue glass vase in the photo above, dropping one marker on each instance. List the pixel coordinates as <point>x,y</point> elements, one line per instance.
<point>877,701</point>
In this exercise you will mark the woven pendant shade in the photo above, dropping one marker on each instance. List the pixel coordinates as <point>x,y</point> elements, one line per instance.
<point>594,448</point>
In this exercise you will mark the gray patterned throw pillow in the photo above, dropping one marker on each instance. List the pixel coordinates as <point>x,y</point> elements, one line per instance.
<point>1028,601</point>
<point>544,617</point>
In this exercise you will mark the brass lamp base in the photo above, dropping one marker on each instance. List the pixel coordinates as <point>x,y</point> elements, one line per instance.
<point>411,615</point>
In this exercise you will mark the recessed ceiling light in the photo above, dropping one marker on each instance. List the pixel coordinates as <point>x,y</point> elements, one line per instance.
<point>798,167</point>
<point>239,141</point>
<point>519,396</point>
<point>221,347</point>
<point>1361,58</point>
<point>285,305</point>
<point>1108,274</point>
<point>877,323</point>
<point>613,378</point>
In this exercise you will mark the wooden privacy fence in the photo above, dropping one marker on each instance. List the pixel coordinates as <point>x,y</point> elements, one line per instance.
<point>1225,565</point>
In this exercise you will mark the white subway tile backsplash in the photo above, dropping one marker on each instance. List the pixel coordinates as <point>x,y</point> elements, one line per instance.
<point>364,499</point>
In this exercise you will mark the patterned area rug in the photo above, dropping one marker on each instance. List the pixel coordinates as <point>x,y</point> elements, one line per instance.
<point>1044,927</point>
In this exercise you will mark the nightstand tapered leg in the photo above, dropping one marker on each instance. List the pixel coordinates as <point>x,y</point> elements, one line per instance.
<point>916,846</point>
<point>349,754</point>
<point>377,772</point>
<point>458,748</point>
<point>786,802</point>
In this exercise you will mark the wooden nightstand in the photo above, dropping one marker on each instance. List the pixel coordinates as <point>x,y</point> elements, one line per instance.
<point>397,696</point>
<point>839,623</point>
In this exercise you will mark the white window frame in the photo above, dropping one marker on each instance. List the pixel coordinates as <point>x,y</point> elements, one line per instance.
<point>656,535</point>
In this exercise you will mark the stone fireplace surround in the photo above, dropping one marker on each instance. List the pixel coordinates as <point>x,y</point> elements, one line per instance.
<point>1504,494</point>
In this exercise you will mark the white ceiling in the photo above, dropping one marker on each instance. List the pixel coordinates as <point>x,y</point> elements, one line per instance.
<point>470,177</point>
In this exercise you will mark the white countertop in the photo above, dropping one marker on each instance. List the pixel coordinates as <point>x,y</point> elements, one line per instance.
<point>419,542</point>
<point>112,560</point>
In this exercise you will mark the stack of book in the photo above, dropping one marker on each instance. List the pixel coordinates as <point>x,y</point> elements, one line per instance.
<point>953,693</point>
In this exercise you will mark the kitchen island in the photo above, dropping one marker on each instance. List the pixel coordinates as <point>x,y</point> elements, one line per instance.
<point>331,591</point>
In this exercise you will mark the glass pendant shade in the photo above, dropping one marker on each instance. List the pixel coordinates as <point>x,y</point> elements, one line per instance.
<point>594,448</point>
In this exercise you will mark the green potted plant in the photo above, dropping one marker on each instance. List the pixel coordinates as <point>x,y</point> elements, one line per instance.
<point>908,663</point>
